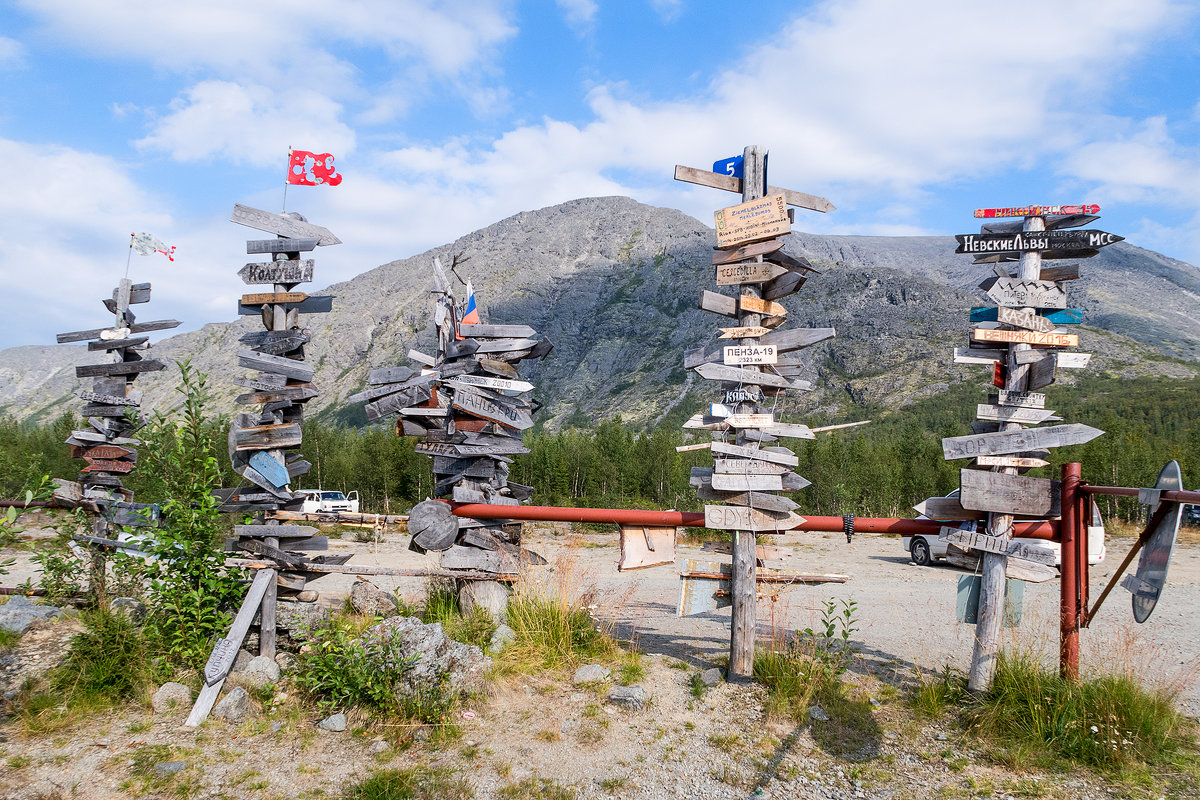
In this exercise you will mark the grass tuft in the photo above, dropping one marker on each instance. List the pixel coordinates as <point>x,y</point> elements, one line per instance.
<point>427,783</point>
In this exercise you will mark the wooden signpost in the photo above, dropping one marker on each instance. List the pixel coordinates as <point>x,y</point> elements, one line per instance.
<point>1029,307</point>
<point>749,256</point>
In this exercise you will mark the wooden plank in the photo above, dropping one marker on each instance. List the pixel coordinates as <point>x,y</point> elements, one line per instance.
<point>742,396</point>
<point>1023,415</point>
<point>791,339</point>
<point>1052,223</point>
<point>1042,240</point>
<point>291,393</point>
<point>765,420</point>
<point>1056,316</point>
<point>103,451</point>
<point>121,368</point>
<point>745,332</point>
<point>259,298</point>
<point>421,358</point>
<point>499,368</point>
<point>725,482</point>
<point>729,183</point>
<point>316,304</point>
<point>258,246</point>
<point>270,468</point>
<point>389,375</point>
<point>496,331</point>
<point>746,252</point>
<point>644,546</point>
<point>1072,360</point>
<point>107,465</point>
<point>497,384</point>
<point>1067,272</point>
<point>474,558</point>
<point>762,500</point>
<point>1025,337</point>
<point>1005,442</point>
<point>1018,399</point>
<point>1017,293</point>
<point>276,365</point>
<point>756,305</point>
<point>503,345</point>
<point>783,286</point>
<point>276,531</point>
<point>267,437</point>
<point>282,225</point>
<point>119,344</point>
<point>1009,494</point>
<point>1023,550</point>
<point>1042,372</point>
<point>775,455</point>
<point>1023,319</point>
<point>1019,462</point>
<point>132,399</point>
<point>963,355</point>
<point>1032,211</point>
<point>946,509</point>
<point>445,449</point>
<point>95,333</point>
<point>740,354</point>
<point>719,304</point>
<point>741,518</point>
<point>285,272</point>
<point>479,405</point>
<point>720,372</point>
<point>747,272</point>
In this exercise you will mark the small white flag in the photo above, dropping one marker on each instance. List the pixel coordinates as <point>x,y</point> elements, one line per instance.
<point>145,244</point>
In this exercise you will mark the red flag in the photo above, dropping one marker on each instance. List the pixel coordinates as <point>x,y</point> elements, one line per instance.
<point>311,169</point>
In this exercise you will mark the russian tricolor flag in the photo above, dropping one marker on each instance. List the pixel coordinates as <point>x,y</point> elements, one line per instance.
<point>470,312</point>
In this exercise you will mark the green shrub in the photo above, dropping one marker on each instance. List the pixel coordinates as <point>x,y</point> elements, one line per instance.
<point>108,659</point>
<point>425,783</point>
<point>342,670</point>
<point>1107,721</point>
<point>553,633</point>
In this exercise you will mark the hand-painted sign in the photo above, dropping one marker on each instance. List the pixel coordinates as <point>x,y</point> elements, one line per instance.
<point>764,218</point>
<point>1059,316</point>
<point>740,518</point>
<point>747,272</point>
<point>1025,337</point>
<point>1026,416</point>
<point>745,332</point>
<point>757,305</point>
<point>1034,211</point>
<point>742,396</point>
<point>1025,241</point>
<point>277,272</point>
<point>1017,293</point>
<point>1020,399</point>
<point>1004,442</point>
<point>999,544</point>
<point>1009,494</point>
<point>738,354</point>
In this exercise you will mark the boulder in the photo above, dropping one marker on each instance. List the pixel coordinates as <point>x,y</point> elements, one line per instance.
<point>19,614</point>
<point>260,671</point>
<point>294,621</point>
<point>711,677</point>
<point>241,661</point>
<point>286,661</point>
<point>368,599</point>
<point>591,673</point>
<point>440,661</point>
<point>233,706</point>
<point>491,596</point>
<point>631,697</point>
<point>129,606</point>
<point>335,722</point>
<point>171,695</point>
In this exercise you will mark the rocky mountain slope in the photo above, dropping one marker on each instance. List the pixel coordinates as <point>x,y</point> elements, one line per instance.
<point>614,284</point>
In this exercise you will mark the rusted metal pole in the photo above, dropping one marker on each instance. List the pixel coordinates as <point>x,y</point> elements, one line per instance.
<point>1173,495</point>
<point>1068,607</point>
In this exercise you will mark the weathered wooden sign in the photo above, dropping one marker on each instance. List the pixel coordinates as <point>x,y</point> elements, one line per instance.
<point>281,224</point>
<point>106,465</point>
<point>1005,442</point>
<point>1043,371</point>
<point>1021,399</point>
<point>747,272</point>
<point>727,482</point>
<point>968,355</point>
<point>740,518</point>
<point>477,404</point>
<point>946,509</point>
<point>270,468</point>
<point>1025,294</point>
<point>1024,241</point>
<point>643,546</point>
<point>745,332</point>
<point>1028,320</point>
<point>267,437</point>
<point>132,399</point>
<point>257,246</point>
<point>276,365</point>
<point>496,331</point>
<point>998,544</point>
<point>444,449</point>
<point>278,272</point>
<point>120,368</point>
<point>1020,462</point>
<point>1072,360</point>
<point>1061,316</point>
<point>746,252</point>
<point>776,455</point>
<point>757,305</point>
<point>499,384</point>
<point>763,420</point>
<point>1022,414</point>
<point>720,372</point>
<point>260,298</point>
<point>108,451</point>
<point>741,396</point>
<point>1034,211</point>
<point>764,218</point>
<point>317,304</point>
<point>747,466</point>
<point>736,355</point>
<point>1026,337</point>
<point>1009,494</point>
<point>729,183</point>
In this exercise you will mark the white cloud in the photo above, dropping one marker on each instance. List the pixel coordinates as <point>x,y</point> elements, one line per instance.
<point>579,14</point>
<point>248,124</point>
<point>12,53</point>
<point>668,10</point>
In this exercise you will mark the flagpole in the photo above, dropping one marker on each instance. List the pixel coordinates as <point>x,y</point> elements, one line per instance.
<point>129,255</point>
<point>286,175</point>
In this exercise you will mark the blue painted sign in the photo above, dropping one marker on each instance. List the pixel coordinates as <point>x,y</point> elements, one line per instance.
<point>270,469</point>
<point>1059,316</point>
<point>729,166</point>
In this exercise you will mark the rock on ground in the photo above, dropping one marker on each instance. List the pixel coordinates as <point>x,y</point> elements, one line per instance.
<point>233,706</point>
<point>19,614</point>
<point>591,673</point>
<point>633,697</point>
<point>259,672</point>
<point>334,722</point>
<point>368,599</point>
<point>439,658</point>
<point>502,637</point>
<point>491,596</point>
<point>711,677</point>
<point>294,621</point>
<point>171,695</point>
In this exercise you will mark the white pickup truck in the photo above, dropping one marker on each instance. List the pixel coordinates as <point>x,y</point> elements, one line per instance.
<point>319,500</point>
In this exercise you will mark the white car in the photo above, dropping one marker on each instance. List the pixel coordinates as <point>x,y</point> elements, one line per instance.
<point>925,549</point>
<point>319,500</point>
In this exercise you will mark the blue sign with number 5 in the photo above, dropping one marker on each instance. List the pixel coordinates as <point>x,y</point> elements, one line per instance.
<point>729,166</point>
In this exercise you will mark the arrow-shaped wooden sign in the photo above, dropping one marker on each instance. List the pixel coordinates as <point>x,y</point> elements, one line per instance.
<point>1003,442</point>
<point>776,455</point>
<point>1033,211</point>
<point>713,180</point>
<point>746,252</point>
<point>257,246</point>
<point>1026,416</point>
<point>720,372</point>
<point>1025,337</point>
<point>757,305</point>
<point>259,298</point>
<point>1052,223</point>
<point>1060,316</point>
<point>1017,293</point>
<point>477,404</point>
<point>747,272</point>
<point>746,332</point>
<point>317,304</point>
<point>277,272</point>
<point>499,384</point>
<point>740,518</point>
<point>1027,241</point>
<point>281,224</point>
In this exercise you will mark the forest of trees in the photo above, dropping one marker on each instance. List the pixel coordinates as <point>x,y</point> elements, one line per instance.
<point>881,469</point>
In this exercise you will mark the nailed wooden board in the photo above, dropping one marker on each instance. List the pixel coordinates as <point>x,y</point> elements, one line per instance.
<point>964,355</point>
<point>747,272</point>
<point>95,333</point>
<point>760,500</point>
<point>1056,316</point>
<point>119,344</point>
<point>720,372</point>
<point>258,246</point>
<point>1065,272</point>
<point>717,303</point>
<point>474,558</point>
<point>275,342</point>
<point>122,368</point>
<point>1025,294</point>
<point>1042,372</point>
<point>725,482</point>
<point>1009,494</point>
<point>1005,442</point>
<point>383,375</point>
<point>277,395</point>
<point>1023,319</point>
<point>729,183</point>
<point>496,331</point>
<point>267,437</point>
<point>741,518</point>
<point>1023,550</point>
<point>1026,337</point>
<point>945,508</point>
<point>1027,241</point>
<point>1026,416</point>
<point>497,384</point>
<point>752,221</point>
<point>746,252</point>
<point>1020,462</point>
<point>764,420</point>
<point>281,224</point>
<point>316,304</point>
<point>1018,399</point>
<point>746,332</point>
<point>775,455</point>
<point>740,354</point>
<point>479,405</point>
<point>270,468</point>
<point>276,365</point>
<point>643,546</point>
<point>296,271</point>
<point>756,305</point>
<point>445,449</point>
<point>132,399</point>
<point>259,298</point>
<point>106,465</point>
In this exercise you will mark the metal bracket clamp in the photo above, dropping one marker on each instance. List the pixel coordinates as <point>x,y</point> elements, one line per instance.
<point>848,527</point>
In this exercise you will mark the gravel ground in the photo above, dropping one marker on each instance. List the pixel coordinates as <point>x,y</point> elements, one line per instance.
<point>717,746</point>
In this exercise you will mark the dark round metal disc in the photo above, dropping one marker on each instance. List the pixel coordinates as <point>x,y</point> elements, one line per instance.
<point>1156,555</point>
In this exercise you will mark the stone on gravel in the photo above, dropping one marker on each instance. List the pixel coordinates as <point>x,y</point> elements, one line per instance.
<point>379,746</point>
<point>591,673</point>
<point>368,599</point>
<point>286,661</point>
<point>440,661</point>
<point>502,637</point>
<point>260,671</point>
<point>129,606</point>
<point>335,722</point>
<point>171,695</point>
<point>233,706</point>
<point>632,697</point>
<point>168,768</point>
<point>19,614</point>
<point>711,677</point>
<point>241,661</point>
<point>491,596</point>
<point>818,713</point>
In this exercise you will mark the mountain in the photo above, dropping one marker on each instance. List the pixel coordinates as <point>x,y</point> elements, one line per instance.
<point>614,283</point>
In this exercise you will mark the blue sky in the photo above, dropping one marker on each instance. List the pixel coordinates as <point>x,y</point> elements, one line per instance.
<point>447,116</point>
